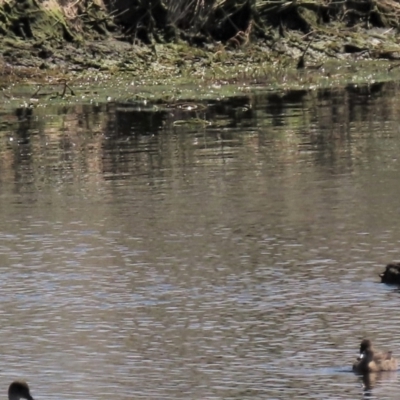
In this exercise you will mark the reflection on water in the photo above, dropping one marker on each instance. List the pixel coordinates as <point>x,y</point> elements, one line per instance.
<point>229,249</point>
<point>372,380</point>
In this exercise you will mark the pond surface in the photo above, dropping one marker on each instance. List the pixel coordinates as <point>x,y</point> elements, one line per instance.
<point>221,250</point>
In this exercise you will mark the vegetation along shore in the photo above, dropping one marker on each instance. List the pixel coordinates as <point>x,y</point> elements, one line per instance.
<point>158,39</point>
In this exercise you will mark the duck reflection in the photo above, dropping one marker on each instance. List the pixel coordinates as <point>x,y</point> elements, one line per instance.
<point>372,379</point>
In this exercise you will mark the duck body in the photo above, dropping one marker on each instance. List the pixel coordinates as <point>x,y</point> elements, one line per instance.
<point>371,360</point>
<point>391,275</point>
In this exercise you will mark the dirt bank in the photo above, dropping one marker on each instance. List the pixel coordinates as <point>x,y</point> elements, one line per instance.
<point>165,38</point>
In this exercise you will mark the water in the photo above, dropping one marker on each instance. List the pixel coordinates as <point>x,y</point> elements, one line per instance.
<point>147,254</point>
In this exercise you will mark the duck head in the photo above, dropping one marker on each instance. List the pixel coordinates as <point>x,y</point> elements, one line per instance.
<point>19,390</point>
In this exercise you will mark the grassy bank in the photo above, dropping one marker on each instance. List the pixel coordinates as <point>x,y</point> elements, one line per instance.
<point>164,38</point>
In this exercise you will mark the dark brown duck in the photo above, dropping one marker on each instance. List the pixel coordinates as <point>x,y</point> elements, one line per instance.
<point>391,274</point>
<point>371,360</point>
<point>19,390</point>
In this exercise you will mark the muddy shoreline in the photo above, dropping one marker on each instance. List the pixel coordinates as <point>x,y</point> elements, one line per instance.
<point>302,48</point>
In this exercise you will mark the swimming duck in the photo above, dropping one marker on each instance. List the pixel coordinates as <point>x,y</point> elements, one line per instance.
<point>373,361</point>
<point>391,274</point>
<point>19,390</point>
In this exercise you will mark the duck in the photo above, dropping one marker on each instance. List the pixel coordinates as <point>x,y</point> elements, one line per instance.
<point>19,390</point>
<point>371,360</point>
<point>391,275</point>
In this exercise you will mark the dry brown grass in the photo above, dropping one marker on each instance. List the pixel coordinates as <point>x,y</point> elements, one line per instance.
<point>69,8</point>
